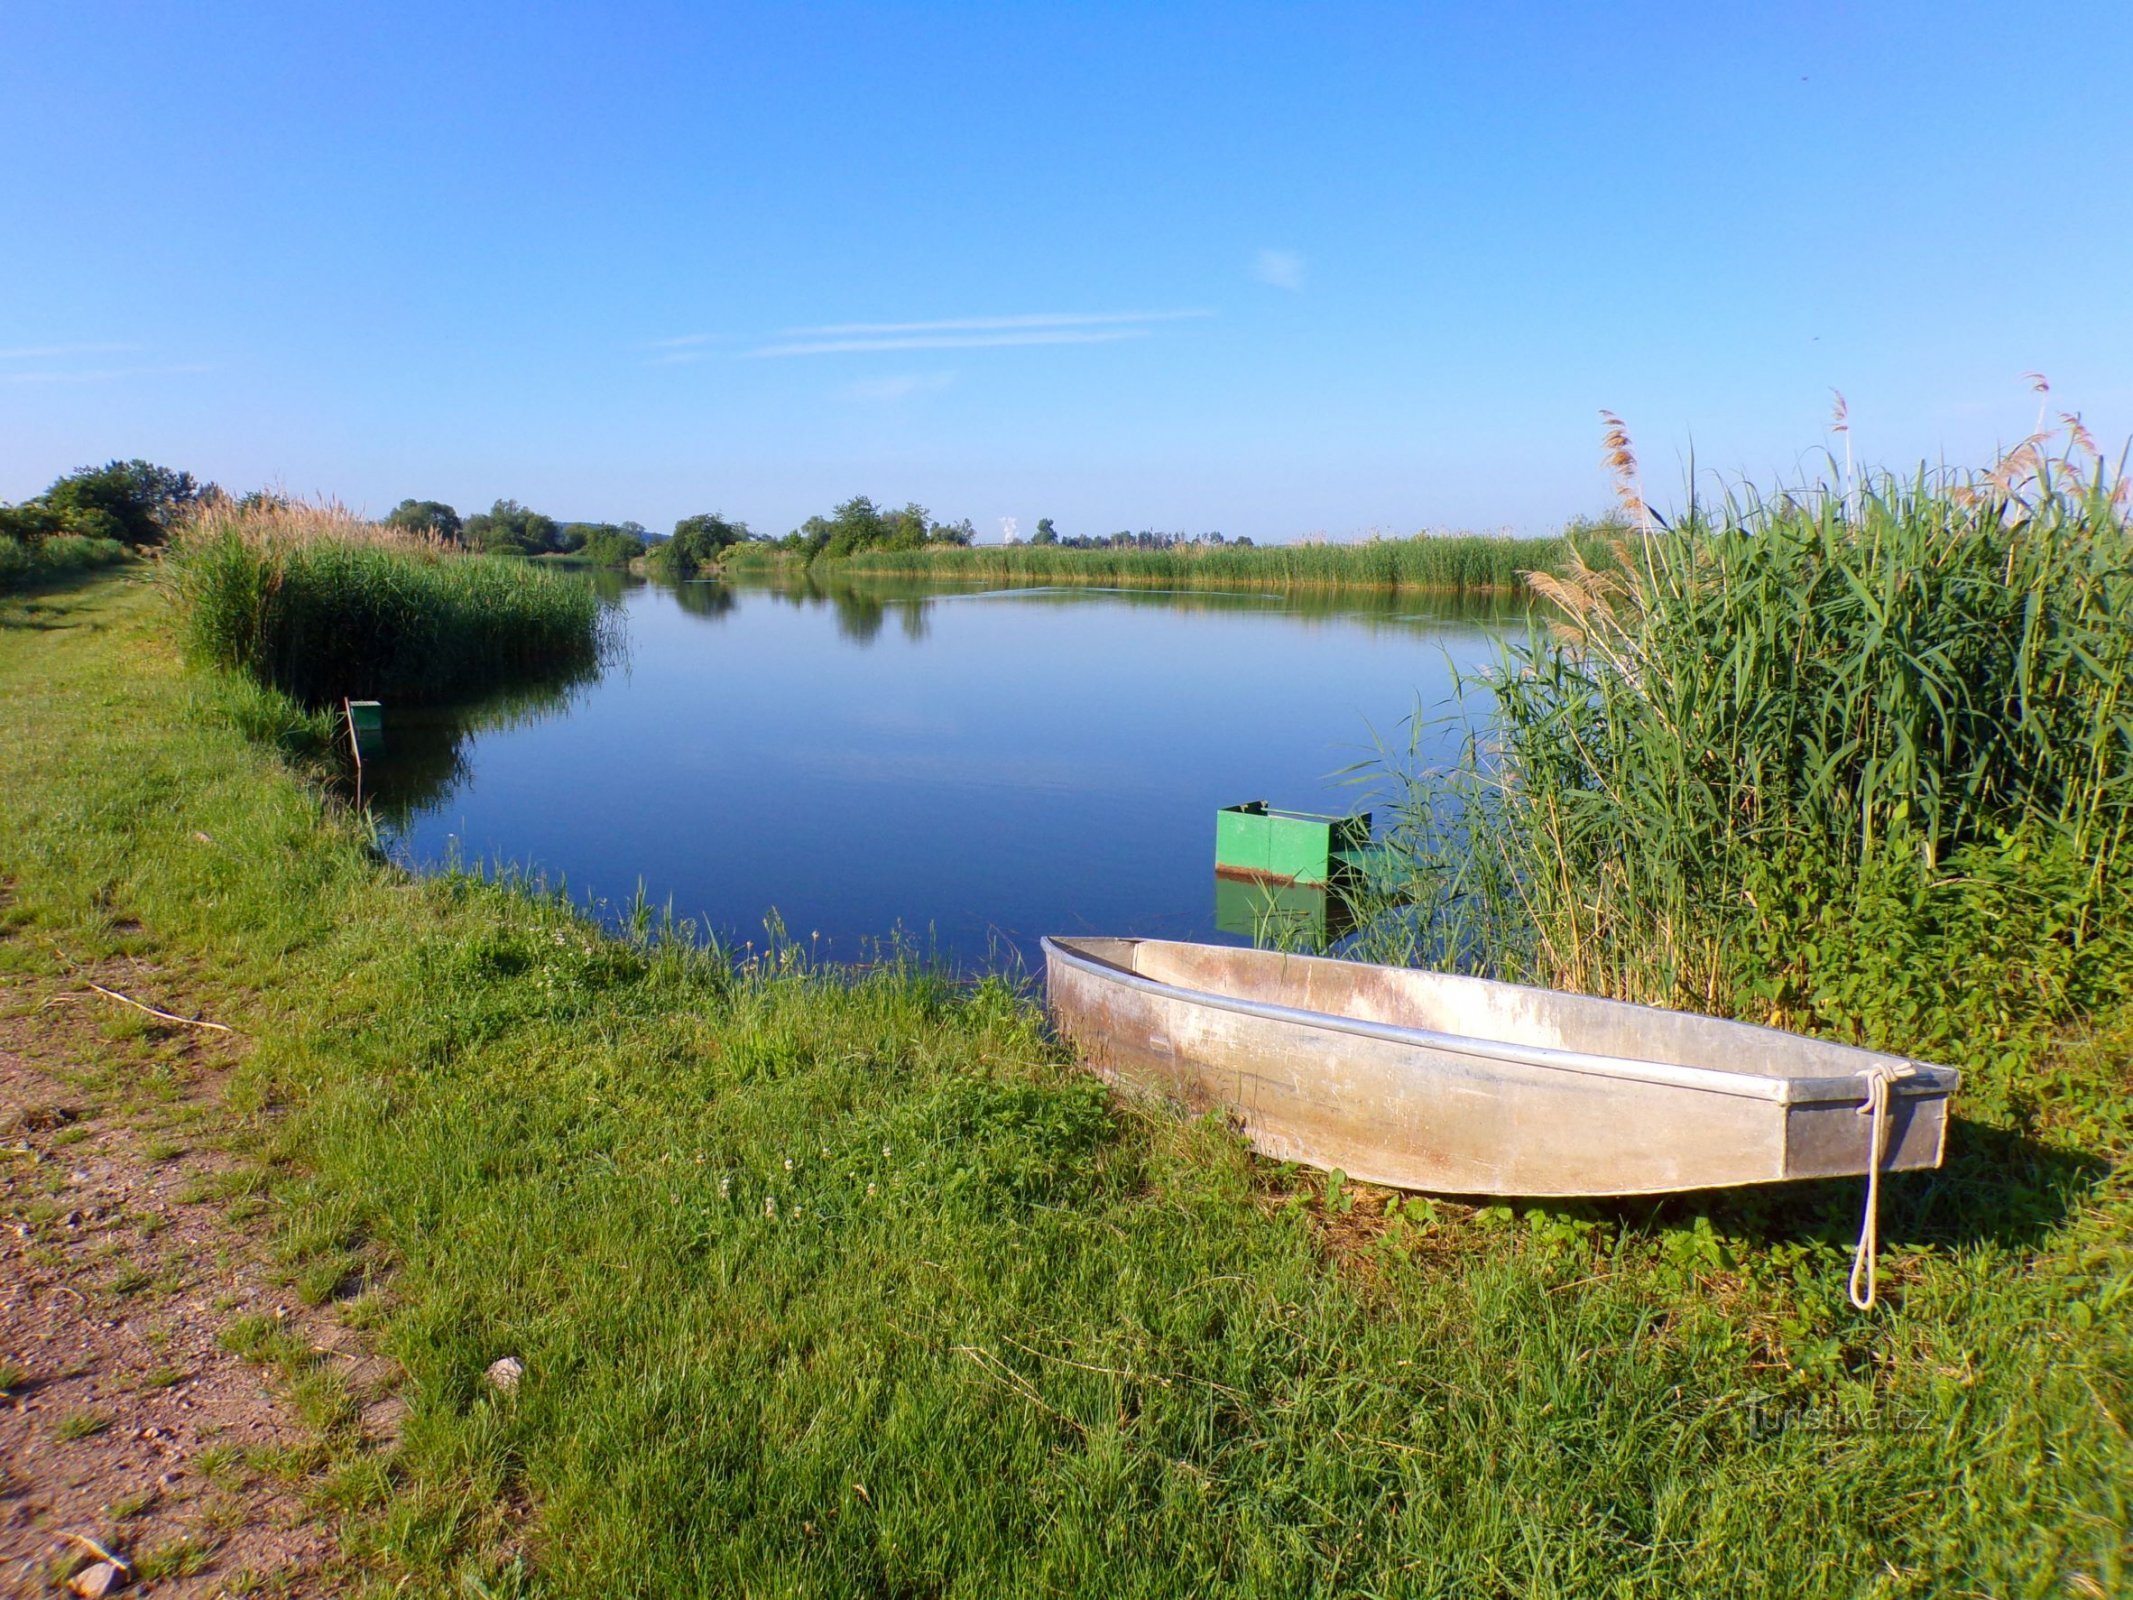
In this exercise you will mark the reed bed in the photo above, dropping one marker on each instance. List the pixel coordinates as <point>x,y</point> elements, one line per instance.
<point>321,604</point>
<point>1855,757</point>
<point>1450,563</point>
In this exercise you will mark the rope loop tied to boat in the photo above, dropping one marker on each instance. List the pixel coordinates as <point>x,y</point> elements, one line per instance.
<point>1879,1082</point>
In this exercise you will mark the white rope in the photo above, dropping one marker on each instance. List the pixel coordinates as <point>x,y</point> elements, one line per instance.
<point>1878,1083</point>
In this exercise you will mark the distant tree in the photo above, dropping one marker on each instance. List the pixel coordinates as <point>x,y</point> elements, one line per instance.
<point>859,524</point>
<point>1046,533</point>
<point>702,537</point>
<point>32,522</point>
<point>135,501</point>
<point>608,544</point>
<point>432,517</point>
<point>508,527</point>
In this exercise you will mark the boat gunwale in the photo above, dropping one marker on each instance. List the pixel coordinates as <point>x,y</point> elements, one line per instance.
<point>1924,1081</point>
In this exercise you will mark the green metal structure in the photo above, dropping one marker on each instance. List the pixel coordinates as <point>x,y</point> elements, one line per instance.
<point>1256,841</point>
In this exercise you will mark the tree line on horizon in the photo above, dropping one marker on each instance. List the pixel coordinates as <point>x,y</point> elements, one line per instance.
<point>135,503</point>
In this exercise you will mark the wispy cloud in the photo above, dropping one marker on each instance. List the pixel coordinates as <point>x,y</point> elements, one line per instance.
<point>680,350</point>
<point>953,341</point>
<point>57,352</point>
<point>1035,319</point>
<point>100,374</point>
<point>1284,269</point>
<point>888,391</point>
<point>972,333</point>
<point>943,333</point>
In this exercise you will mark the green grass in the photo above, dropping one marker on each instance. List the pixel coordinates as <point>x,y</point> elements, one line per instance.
<point>1452,563</point>
<point>841,1284</point>
<point>320,606</point>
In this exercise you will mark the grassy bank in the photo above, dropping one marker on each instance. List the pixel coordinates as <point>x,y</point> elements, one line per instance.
<point>319,604</point>
<point>1450,563</point>
<point>834,1284</point>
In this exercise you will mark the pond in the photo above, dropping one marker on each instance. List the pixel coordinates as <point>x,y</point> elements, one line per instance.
<point>966,770</point>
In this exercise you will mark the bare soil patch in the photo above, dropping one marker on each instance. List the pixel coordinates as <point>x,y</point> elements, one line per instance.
<point>126,1256</point>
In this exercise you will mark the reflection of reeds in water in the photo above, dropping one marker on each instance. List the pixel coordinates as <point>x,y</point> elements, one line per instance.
<point>321,604</point>
<point>427,750</point>
<point>1856,757</point>
<point>863,599</point>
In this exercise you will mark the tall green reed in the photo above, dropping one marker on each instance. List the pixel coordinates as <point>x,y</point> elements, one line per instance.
<point>320,604</point>
<point>1852,758</point>
<point>1452,563</point>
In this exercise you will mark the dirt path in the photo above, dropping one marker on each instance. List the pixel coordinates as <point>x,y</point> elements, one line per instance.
<point>130,1262</point>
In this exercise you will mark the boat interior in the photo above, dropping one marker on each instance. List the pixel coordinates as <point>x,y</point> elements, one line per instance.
<point>1477,1008</point>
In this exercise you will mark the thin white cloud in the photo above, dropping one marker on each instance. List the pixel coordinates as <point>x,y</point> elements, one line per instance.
<point>1284,269</point>
<point>680,358</point>
<point>56,352</point>
<point>1060,319</point>
<point>101,374</point>
<point>888,391</point>
<point>975,341</point>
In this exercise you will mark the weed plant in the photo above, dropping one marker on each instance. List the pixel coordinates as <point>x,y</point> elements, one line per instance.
<point>319,604</point>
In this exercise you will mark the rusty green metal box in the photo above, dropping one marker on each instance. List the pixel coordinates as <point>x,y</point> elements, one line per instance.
<point>1255,841</point>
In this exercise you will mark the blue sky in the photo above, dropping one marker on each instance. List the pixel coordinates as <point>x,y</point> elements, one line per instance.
<point>1269,270</point>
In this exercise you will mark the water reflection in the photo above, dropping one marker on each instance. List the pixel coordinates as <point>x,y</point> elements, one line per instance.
<point>1284,915</point>
<point>701,597</point>
<point>428,749</point>
<point>1000,764</point>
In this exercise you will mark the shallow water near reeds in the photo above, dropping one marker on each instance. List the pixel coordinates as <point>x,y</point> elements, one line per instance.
<point>970,769</point>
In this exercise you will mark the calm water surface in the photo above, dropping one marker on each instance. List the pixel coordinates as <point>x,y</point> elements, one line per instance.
<point>973,768</point>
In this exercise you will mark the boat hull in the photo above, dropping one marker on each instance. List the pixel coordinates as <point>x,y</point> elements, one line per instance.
<point>1421,1108</point>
